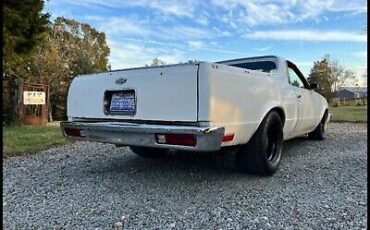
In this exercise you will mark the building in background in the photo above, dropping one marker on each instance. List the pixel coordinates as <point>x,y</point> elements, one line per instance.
<point>352,92</point>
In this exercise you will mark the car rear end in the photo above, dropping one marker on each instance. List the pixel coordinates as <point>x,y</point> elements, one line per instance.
<point>149,107</point>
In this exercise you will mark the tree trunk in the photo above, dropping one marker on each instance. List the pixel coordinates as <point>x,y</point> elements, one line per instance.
<point>18,100</point>
<point>49,104</point>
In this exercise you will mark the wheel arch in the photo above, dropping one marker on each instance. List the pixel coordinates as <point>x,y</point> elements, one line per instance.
<point>255,156</point>
<point>269,108</point>
<point>325,114</point>
<point>276,108</point>
<point>281,113</point>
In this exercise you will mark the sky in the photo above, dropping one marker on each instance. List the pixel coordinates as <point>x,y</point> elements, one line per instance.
<point>302,31</point>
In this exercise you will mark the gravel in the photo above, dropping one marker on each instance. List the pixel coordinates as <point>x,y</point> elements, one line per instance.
<point>319,185</point>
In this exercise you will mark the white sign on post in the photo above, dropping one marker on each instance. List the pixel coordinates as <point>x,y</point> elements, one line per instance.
<point>33,98</point>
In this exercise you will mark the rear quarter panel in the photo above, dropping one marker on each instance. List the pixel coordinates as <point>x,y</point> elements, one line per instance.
<point>239,99</point>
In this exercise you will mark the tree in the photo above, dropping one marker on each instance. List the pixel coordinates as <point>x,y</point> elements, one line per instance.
<point>156,62</point>
<point>321,74</point>
<point>24,29</point>
<point>295,83</point>
<point>339,74</point>
<point>192,61</point>
<point>71,48</point>
<point>330,76</point>
<point>364,78</point>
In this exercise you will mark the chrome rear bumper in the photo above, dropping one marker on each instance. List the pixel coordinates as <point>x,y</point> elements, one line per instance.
<point>132,134</point>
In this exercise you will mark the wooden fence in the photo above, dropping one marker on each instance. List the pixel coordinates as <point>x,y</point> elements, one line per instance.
<point>348,101</point>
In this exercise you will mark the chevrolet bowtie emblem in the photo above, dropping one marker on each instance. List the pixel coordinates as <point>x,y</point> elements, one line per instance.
<point>121,81</point>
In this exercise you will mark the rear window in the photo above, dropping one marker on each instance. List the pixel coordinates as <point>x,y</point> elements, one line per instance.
<point>264,66</point>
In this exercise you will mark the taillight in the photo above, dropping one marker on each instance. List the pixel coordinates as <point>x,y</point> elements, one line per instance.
<point>74,132</point>
<point>176,139</point>
<point>228,137</point>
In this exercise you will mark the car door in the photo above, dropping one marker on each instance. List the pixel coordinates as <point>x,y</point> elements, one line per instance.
<point>306,107</point>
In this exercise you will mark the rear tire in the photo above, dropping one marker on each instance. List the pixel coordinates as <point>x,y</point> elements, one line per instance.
<point>262,154</point>
<point>319,132</point>
<point>148,152</point>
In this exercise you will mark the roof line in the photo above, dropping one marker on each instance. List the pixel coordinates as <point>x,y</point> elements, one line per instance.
<point>240,59</point>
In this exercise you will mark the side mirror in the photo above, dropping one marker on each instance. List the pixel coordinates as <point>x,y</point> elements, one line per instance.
<point>314,86</point>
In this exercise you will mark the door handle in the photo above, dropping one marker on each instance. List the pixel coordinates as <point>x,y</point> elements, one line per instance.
<point>299,96</point>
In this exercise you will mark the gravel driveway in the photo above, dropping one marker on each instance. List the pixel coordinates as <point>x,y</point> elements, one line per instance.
<point>319,185</point>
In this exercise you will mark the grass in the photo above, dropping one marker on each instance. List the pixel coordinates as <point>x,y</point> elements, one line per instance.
<point>349,113</point>
<point>19,140</point>
<point>335,102</point>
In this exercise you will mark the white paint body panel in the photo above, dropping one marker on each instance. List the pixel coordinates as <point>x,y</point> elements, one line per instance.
<point>166,93</point>
<point>211,94</point>
<point>239,99</point>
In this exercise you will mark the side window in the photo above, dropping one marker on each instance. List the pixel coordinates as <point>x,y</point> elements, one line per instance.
<point>294,80</point>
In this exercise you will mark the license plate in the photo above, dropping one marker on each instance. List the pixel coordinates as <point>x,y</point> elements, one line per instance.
<point>123,102</point>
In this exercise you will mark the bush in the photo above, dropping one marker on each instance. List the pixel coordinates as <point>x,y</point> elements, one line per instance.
<point>336,104</point>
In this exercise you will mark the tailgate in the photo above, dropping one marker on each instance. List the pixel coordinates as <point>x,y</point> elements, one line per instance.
<point>165,93</point>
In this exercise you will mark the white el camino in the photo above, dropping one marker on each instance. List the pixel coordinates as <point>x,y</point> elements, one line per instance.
<point>253,104</point>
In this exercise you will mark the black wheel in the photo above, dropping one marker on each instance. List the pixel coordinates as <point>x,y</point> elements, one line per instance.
<point>148,152</point>
<point>262,154</point>
<point>319,132</point>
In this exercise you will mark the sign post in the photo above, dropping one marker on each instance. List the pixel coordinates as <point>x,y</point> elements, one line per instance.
<point>35,104</point>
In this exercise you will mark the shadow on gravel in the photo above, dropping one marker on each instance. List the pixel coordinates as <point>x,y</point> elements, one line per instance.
<point>182,162</point>
<point>290,146</point>
<point>174,161</point>
<point>123,170</point>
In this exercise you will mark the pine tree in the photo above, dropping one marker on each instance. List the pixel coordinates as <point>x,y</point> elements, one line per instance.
<point>24,27</point>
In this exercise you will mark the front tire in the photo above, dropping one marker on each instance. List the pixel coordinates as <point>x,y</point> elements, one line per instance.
<point>262,154</point>
<point>148,152</point>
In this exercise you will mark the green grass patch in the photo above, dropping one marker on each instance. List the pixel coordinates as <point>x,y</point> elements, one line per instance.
<point>20,140</point>
<point>349,113</point>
